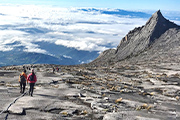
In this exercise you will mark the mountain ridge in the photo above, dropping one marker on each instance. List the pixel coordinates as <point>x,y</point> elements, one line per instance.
<point>139,39</point>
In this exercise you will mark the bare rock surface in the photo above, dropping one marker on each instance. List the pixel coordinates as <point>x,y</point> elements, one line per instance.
<point>105,93</point>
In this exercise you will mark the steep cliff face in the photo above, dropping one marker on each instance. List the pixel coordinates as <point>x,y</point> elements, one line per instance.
<point>139,39</point>
<point>143,38</point>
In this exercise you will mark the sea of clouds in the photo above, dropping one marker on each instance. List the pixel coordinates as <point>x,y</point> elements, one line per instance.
<point>25,25</point>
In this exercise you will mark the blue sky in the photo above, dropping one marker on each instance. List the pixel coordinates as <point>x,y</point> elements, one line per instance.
<point>168,5</point>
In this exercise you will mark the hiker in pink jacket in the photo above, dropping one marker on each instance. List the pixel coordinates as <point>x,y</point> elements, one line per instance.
<point>32,80</point>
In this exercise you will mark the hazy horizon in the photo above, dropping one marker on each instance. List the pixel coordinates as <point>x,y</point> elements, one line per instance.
<point>164,5</point>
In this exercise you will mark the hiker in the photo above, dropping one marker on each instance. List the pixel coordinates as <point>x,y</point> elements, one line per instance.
<point>53,69</point>
<point>32,80</point>
<point>22,81</point>
<point>57,69</point>
<point>23,67</point>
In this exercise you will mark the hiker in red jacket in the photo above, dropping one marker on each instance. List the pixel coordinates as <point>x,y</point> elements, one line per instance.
<point>32,80</point>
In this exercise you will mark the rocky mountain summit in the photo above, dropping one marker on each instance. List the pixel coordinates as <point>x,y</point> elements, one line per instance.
<point>140,80</point>
<point>158,35</point>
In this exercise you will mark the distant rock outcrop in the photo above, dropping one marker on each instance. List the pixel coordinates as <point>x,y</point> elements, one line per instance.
<point>141,39</point>
<point>105,56</point>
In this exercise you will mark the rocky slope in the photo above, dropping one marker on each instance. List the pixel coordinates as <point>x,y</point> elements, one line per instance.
<point>132,92</point>
<point>158,33</point>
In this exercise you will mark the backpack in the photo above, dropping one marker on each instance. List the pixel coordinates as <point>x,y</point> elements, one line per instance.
<point>31,78</point>
<point>22,78</point>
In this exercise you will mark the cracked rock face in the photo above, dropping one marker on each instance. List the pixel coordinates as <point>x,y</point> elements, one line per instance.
<point>121,92</point>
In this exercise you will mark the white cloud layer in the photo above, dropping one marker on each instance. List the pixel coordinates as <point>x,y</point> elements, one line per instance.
<point>70,27</point>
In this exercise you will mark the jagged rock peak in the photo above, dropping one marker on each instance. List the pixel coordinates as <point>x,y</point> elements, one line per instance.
<point>157,17</point>
<point>140,39</point>
<point>157,14</point>
<point>157,25</point>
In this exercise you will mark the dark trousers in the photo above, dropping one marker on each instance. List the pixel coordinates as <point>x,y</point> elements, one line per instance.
<point>22,87</point>
<point>31,88</point>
